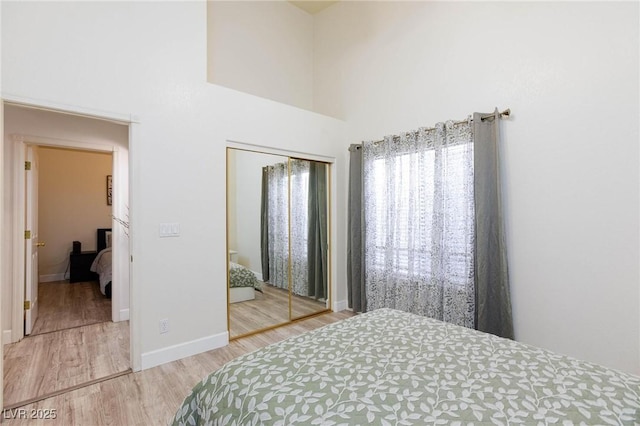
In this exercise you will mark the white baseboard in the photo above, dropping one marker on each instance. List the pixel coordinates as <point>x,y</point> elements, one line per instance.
<point>340,305</point>
<point>6,336</point>
<point>51,277</point>
<point>124,314</point>
<point>183,350</point>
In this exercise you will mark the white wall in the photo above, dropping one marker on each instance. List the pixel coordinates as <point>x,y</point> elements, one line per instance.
<point>34,124</point>
<point>264,48</point>
<point>149,59</point>
<point>72,204</point>
<point>569,72</point>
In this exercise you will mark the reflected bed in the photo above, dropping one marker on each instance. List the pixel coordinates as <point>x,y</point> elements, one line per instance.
<point>102,264</point>
<point>242,283</point>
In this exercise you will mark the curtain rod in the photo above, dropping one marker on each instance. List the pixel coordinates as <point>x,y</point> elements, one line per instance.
<point>505,113</point>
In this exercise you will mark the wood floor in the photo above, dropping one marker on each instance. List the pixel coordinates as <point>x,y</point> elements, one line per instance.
<point>73,342</point>
<point>151,397</point>
<point>46,363</point>
<point>64,305</point>
<point>268,309</point>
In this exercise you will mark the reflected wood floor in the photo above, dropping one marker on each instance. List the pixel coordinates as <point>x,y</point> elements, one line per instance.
<point>268,309</point>
<point>151,397</point>
<point>64,305</point>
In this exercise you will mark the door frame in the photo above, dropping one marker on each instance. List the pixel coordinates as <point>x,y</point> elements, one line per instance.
<point>20,143</point>
<point>130,120</point>
<point>31,244</point>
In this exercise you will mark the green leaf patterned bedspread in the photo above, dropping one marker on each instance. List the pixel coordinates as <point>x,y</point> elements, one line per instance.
<point>388,367</point>
<point>239,276</point>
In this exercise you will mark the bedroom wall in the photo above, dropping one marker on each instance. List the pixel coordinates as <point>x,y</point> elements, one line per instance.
<point>62,127</point>
<point>569,72</point>
<point>71,204</point>
<point>177,146</point>
<point>262,47</point>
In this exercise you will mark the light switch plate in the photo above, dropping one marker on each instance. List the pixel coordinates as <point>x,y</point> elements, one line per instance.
<point>169,230</point>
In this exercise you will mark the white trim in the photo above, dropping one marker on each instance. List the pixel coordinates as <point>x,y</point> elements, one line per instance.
<point>135,298</point>
<point>76,110</point>
<point>124,314</point>
<point>6,336</point>
<point>183,350</point>
<point>67,143</point>
<point>51,277</point>
<point>276,151</point>
<point>3,263</point>
<point>117,241</point>
<point>17,290</point>
<point>340,305</point>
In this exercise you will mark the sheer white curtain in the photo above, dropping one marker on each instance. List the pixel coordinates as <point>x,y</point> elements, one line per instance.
<point>419,216</point>
<point>299,227</point>
<point>279,231</point>
<point>278,208</point>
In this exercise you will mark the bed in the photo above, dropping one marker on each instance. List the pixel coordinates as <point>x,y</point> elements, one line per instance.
<point>390,367</point>
<point>242,283</point>
<point>102,264</point>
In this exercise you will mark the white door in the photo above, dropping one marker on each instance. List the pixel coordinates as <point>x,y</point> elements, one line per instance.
<point>31,241</point>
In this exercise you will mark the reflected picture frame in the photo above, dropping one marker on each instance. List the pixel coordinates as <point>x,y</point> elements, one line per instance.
<point>109,190</point>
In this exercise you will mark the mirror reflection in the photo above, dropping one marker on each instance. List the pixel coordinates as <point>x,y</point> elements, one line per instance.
<point>277,225</point>
<point>308,234</point>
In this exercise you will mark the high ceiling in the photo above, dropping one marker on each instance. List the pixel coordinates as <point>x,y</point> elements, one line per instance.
<point>313,6</point>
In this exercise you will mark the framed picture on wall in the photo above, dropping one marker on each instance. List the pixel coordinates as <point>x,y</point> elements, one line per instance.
<point>109,190</point>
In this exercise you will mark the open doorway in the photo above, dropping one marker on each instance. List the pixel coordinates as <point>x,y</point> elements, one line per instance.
<point>53,296</point>
<point>74,233</point>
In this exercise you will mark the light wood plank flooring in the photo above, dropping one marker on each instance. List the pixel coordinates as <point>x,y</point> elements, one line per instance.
<point>46,363</point>
<point>73,342</point>
<point>151,397</point>
<point>64,305</point>
<point>269,308</point>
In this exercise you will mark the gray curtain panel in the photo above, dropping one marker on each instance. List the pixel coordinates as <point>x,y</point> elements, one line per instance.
<point>355,233</point>
<point>493,299</point>
<point>264,225</point>
<point>317,237</point>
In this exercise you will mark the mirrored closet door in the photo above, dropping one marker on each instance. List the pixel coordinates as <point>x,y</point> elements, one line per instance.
<point>277,240</point>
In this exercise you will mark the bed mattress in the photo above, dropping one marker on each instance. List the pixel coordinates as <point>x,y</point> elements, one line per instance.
<point>388,367</point>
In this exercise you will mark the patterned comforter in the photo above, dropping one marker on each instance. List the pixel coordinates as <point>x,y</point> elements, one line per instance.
<point>102,266</point>
<point>239,276</point>
<point>388,367</point>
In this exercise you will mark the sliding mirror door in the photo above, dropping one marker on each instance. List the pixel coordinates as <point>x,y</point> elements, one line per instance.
<point>258,271</point>
<point>277,239</point>
<point>309,237</point>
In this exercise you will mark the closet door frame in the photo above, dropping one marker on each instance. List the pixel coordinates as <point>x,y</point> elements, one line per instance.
<point>330,162</point>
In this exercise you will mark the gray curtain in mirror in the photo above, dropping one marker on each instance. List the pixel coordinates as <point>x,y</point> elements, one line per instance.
<point>264,225</point>
<point>434,240</point>
<point>317,241</point>
<point>493,298</point>
<point>356,288</point>
<point>294,208</point>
